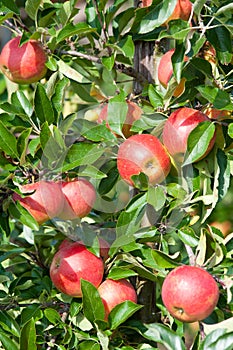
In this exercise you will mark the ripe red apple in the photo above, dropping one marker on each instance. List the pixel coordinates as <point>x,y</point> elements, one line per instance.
<point>182,11</point>
<point>74,262</point>
<point>165,72</point>
<point>114,292</point>
<point>143,153</point>
<point>134,113</point>
<point>23,64</point>
<point>190,293</point>
<point>177,129</point>
<point>44,200</point>
<point>79,198</point>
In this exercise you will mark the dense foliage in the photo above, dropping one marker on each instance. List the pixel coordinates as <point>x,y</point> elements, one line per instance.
<point>45,134</point>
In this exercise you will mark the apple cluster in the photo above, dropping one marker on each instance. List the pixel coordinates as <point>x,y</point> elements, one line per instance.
<point>72,263</point>
<point>66,200</point>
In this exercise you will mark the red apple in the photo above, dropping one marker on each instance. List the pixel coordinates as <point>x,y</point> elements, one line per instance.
<point>80,196</point>
<point>165,72</point>
<point>134,113</point>
<point>143,153</point>
<point>177,129</point>
<point>114,292</point>
<point>182,11</point>
<point>44,200</point>
<point>190,293</point>
<point>23,64</point>
<point>74,262</point>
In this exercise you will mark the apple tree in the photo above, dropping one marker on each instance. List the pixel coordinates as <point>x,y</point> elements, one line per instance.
<point>103,109</point>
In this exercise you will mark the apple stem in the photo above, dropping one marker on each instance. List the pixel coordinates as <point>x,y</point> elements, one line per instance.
<point>202,333</point>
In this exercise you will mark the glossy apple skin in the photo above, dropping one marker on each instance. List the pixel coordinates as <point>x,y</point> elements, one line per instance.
<point>177,129</point>
<point>74,262</point>
<point>79,198</point>
<point>165,71</point>
<point>23,64</point>
<point>45,202</point>
<point>143,153</point>
<point>114,292</point>
<point>190,293</point>
<point>182,11</point>
<point>134,113</point>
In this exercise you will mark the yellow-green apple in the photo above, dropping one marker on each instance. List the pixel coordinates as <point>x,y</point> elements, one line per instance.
<point>43,199</point>
<point>114,292</point>
<point>134,113</point>
<point>165,72</point>
<point>23,64</point>
<point>190,293</point>
<point>74,262</point>
<point>79,198</point>
<point>182,11</point>
<point>143,153</point>
<point>177,128</point>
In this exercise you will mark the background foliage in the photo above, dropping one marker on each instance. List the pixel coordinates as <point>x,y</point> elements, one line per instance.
<point>44,135</point>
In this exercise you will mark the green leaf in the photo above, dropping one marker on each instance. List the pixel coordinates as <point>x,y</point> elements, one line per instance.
<point>219,98</point>
<point>121,312</point>
<point>117,273</point>
<point>154,96</point>
<point>28,336</point>
<point>220,37</point>
<point>21,214</point>
<point>8,323</point>
<point>217,339</point>
<point>156,196</point>
<point>8,143</point>
<point>52,315</point>
<point>7,342</point>
<point>187,236</point>
<point>71,73</point>
<point>204,132</point>
<point>178,60</point>
<point>22,144</point>
<point>163,260</point>
<point>95,132</point>
<point>32,311</point>
<point>127,46</point>
<point>19,99</point>
<point>161,334</point>
<point>157,16</point>
<point>82,154</point>
<point>11,5</point>
<point>71,29</point>
<point>31,7</point>
<point>108,62</point>
<point>93,307</point>
<point>43,106</point>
